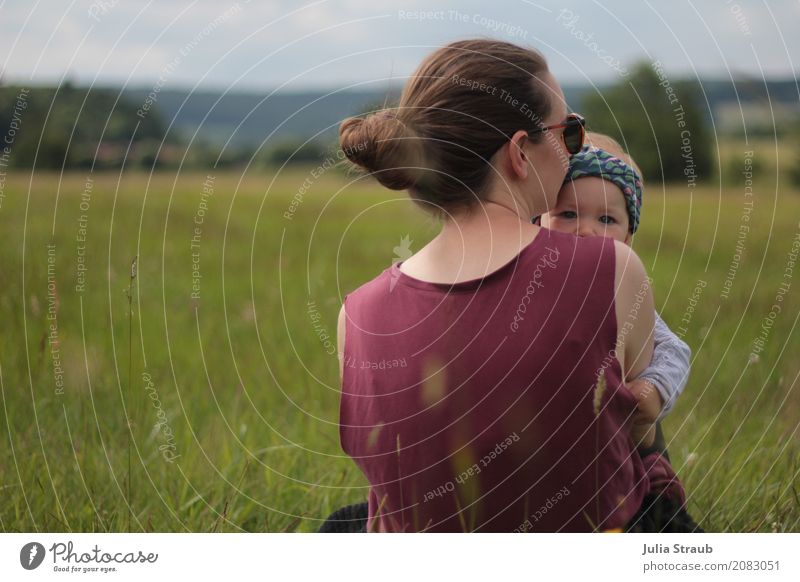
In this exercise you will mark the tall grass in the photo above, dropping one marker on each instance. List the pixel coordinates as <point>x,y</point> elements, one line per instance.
<point>249,389</point>
<point>129,410</point>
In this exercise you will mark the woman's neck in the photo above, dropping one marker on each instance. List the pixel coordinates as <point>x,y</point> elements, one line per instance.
<point>487,224</point>
<point>511,201</point>
<point>472,244</point>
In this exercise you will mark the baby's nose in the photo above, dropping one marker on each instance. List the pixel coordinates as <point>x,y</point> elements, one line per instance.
<point>587,228</point>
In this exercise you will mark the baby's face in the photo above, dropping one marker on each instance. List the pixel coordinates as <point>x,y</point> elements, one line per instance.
<point>590,206</point>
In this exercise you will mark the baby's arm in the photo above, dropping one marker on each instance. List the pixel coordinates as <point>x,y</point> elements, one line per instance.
<point>660,384</point>
<point>668,371</point>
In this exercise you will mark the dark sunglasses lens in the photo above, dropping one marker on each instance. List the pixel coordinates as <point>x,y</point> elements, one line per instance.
<point>573,137</point>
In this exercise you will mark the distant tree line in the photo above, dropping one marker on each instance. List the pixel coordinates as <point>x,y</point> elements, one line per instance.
<point>79,128</point>
<point>73,127</point>
<point>663,123</point>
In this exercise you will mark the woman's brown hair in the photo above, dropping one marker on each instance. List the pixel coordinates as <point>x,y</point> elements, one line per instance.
<point>460,106</point>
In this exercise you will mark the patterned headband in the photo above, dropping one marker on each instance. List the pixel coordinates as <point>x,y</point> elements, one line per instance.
<point>591,161</point>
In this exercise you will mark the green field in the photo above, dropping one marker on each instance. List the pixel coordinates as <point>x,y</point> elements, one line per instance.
<point>232,394</point>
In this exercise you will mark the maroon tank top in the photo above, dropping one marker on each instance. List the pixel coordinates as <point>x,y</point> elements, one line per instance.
<point>475,406</point>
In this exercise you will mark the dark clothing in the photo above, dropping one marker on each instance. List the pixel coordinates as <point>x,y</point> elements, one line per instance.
<point>348,519</point>
<point>657,514</point>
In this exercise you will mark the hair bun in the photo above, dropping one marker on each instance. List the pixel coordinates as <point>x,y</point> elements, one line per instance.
<point>382,144</point>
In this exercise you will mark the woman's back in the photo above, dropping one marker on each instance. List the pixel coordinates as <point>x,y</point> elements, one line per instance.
<point>472,407</point>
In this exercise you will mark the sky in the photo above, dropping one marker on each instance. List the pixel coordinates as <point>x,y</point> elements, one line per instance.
<point>322,44</point>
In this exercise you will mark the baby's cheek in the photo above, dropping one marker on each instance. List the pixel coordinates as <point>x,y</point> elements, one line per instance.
<point>620,233</point>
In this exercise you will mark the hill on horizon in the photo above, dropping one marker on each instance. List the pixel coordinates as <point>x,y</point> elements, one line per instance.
<point>248,119</point>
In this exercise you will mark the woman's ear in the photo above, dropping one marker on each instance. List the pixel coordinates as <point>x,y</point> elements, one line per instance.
<point>519,164</point>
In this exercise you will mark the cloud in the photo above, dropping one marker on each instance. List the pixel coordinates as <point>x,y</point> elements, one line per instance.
<point>331,43</point>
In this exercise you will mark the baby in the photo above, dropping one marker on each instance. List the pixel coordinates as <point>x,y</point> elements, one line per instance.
<point>602,196</point>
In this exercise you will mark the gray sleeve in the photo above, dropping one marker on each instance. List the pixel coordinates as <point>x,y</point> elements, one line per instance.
<point>669,367</point>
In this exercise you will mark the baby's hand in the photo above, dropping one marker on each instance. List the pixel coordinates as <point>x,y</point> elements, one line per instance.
<point>643,435</point>
<point>649,400</point>
<point>648,408</point>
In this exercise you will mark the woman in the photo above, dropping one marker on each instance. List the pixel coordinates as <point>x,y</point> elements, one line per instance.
<point>483,377</point>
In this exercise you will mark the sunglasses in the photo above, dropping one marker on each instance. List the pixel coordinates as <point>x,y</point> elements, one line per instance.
<point>574,132</point>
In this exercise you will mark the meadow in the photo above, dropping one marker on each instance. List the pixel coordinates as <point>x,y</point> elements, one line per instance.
<point>197,390</point>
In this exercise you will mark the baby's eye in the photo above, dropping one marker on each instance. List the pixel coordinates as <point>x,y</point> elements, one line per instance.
<point>606,219</point>
<point>568,214</point>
